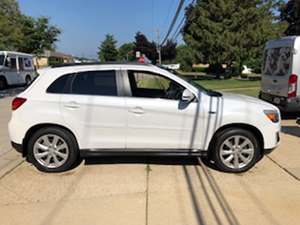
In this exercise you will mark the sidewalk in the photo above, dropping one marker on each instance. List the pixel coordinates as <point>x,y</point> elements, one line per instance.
<point>5,113</point>
<point>9,158</point>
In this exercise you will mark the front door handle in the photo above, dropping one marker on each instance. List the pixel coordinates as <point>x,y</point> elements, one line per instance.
<point>72,105</point>
<point>137,110</point>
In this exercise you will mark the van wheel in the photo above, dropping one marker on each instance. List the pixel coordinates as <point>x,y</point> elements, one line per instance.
<point>236,150</point>
<point>3,83</point>
<point>28,80</point>
<point>52,150</point>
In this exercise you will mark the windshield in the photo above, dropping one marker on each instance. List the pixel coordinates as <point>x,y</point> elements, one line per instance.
<point>2,57</point>
<point>194,83</point>
<point>277,61</point>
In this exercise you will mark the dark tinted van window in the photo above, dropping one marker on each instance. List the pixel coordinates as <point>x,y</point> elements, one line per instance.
<point>95,83</point>
<point>59,86</point>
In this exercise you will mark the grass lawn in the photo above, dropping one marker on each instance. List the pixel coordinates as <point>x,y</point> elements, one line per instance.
<point>244,87</point>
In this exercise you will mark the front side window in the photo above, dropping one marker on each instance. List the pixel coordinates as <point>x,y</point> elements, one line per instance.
<point>11,63</point>
<point>95,83</point>
<point>150,85</point>
<point>2,57</point>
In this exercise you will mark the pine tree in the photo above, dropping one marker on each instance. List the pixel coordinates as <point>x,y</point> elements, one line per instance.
<point>126,52</point>
<point>290,12</point>
<point>107,49</point>
<point>229,32</point>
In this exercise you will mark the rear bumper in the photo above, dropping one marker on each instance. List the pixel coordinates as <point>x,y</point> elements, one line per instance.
<point>283,103</point>
<point>17,147</point>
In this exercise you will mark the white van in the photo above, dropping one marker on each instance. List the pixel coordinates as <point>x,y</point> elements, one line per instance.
<point>280,74</point>
<point>16,69</point>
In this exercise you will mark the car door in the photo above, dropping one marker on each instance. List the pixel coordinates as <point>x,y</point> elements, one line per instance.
<point>95,110</point>
<point>21,70</point>
<point>11,70</point>
<point>157,118</point>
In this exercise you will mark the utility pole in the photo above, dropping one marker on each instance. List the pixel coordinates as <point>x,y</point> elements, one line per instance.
<point>158,47</point>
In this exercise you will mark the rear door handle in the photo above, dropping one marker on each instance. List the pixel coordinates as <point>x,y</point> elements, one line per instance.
<point>137,110</point>
<point>72,105</point>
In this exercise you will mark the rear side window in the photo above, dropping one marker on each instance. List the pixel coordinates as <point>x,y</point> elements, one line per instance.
<point>95,83</point>
<point>277,61</point>
<point>60,85</point>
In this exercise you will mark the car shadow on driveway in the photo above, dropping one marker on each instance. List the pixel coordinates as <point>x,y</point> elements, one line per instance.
<point>141,160</point>
<point>291,130</point>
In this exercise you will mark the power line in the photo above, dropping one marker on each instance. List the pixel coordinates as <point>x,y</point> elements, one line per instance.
<point>173,21</point>
<point>179,27</point>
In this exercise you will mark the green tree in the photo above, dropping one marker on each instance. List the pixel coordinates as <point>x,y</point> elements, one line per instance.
<point>230,31</point>
<point>23,33</point>
<point>185,56</point>
<point>107,49</point>
<point>39,35</point>
<point>126,52</point>
<point>290,12</point>
<point>168,51</point>
<point>10,29</point>
<point>143,45</point>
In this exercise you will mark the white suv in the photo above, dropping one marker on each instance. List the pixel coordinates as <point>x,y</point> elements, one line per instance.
<point>116,109</point>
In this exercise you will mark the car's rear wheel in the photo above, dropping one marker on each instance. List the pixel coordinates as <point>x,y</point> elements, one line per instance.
<point>52,150</point>
<point>235,150</point>
<point>3,83</point>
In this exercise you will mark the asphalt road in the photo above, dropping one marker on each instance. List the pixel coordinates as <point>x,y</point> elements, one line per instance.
<point>155,191</point>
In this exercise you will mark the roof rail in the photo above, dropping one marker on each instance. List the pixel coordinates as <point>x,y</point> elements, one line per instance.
<point>99,63</point>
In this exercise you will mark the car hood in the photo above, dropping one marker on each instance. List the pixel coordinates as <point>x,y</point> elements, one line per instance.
<point>243,99</point>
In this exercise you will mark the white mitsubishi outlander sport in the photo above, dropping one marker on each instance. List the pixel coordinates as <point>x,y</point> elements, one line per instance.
<point>74,111</point>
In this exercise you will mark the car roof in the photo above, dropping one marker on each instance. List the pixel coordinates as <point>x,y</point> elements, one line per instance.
<point>79,67</point>
<point>288,41</point>
<point>15,53</point>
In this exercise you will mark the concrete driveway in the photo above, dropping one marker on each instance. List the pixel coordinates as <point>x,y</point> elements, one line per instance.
<point>155,191</point>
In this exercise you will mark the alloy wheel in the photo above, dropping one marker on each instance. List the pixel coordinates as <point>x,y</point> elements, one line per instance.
<point>51,151</point>
<point>236,152</point>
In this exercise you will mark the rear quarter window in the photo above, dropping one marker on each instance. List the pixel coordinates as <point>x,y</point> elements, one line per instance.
<point>60,85</point>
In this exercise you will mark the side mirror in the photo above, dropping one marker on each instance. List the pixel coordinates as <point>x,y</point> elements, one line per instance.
<point>187,96</point>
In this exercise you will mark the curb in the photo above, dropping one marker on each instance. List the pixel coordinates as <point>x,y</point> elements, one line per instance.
<point>11,164</point>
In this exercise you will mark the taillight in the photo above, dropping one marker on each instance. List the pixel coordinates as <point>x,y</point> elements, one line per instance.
<point>292,92</point>
<point>17,102</point>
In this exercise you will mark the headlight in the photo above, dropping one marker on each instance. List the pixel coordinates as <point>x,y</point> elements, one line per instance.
<point>272,115</point>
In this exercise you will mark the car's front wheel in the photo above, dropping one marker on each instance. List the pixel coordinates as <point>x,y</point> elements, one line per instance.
<point>52,149</point>
<point>3,83</point>
<point>27,80</point>
<point>235,150</point>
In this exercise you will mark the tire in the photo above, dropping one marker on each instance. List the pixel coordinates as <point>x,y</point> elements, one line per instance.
<point>235,158</point>
<point>3,83</point>
<point>65,150</point>
<point>27,80</point>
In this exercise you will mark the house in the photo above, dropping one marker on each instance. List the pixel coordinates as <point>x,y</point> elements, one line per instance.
<point>49,58</point>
